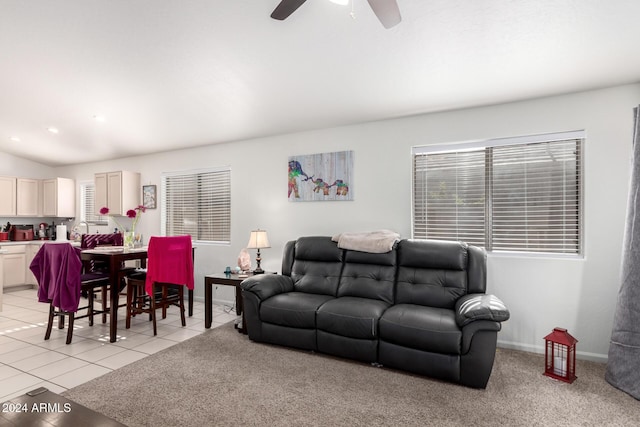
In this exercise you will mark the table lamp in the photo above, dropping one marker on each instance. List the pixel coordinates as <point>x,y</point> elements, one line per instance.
<point>258,240</point>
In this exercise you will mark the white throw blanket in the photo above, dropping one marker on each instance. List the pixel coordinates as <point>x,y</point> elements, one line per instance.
<point>377,242</point>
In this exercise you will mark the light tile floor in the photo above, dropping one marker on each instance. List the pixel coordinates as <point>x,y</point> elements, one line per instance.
<point>27,361</point>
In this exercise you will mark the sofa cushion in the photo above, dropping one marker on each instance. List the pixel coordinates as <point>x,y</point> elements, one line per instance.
<point>436,254</point>
<point>431,273</point>
<point>351,317</point>
<point>433,288</point>
<point>367,275</point>
<point>317,263</point>
<point>424,328</point>
<point>293,309</point>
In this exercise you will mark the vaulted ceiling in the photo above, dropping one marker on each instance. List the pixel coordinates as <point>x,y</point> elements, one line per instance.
<point>127,77</point>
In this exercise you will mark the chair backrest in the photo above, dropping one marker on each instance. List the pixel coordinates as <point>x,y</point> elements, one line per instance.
<point>169,260</point>
<point>57,268</point>
<point>90,241</point>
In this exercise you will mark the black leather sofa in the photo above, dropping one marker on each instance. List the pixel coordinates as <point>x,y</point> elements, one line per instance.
<point>421,307</point>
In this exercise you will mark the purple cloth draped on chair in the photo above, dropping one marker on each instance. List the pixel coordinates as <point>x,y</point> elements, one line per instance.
<point>57,269</point>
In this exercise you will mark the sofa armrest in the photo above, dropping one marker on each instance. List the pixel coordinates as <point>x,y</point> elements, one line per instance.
<point>474,307</point>
<point>265,286</point>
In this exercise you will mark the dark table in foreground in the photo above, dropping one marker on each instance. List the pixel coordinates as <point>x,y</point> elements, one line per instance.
<point>41,407</point>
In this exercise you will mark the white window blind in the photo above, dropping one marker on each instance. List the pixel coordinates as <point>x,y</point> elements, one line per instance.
<point>198,203</point>
<point>87,205</point>
<point>449,196</point>
<point>505,196</point>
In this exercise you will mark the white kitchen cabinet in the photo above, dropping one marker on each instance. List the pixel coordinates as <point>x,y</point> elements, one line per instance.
<point>14,263</point>
<point>59,197</point>
<point>27,197</point>
<point>119,191</point>
<point>1,275</point>
<point>30,253</point>
<point>7,195</point>
<point>99,191</point>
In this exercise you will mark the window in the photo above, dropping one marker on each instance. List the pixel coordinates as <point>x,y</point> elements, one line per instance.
<point>87,204</point>
<point>197,203</point>
<point>517,195</point>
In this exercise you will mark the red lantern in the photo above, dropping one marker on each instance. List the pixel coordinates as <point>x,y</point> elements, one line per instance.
<point>560,355</point>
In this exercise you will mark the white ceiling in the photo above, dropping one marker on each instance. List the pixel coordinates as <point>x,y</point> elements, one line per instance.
<point>176,73</point>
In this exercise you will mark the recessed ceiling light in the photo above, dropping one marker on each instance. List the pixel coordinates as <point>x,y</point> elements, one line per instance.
<point>15,139</point>
<point>53,130</point>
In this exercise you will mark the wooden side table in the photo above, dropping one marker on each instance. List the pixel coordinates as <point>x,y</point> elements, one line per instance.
<point>222,280</point>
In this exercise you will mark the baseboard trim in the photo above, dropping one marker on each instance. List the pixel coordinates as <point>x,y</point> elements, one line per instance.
<point>581,355</point>
<point>216,301</point>
<point>223,302</point>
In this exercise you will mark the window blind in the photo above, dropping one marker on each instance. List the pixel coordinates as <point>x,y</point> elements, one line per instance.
<point>449,196</point>
<point>198,204</point>
<point>87,205</point>
<point>536,197</point>
<point>522,197</point>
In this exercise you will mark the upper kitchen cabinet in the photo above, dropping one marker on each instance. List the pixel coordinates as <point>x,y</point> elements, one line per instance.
<point>27,197</point>
<point>59,197</point>
<point>119,191</point>
<point>7,196</point>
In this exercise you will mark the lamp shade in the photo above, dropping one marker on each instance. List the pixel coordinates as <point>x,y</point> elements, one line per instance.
<point>258,240</point>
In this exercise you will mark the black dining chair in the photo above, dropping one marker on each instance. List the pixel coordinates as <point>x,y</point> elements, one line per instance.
<point>169,271</point>
<point>58,270</point>
<point>100,270</point>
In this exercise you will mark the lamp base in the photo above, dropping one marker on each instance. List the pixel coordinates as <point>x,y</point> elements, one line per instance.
<point>258,270</point>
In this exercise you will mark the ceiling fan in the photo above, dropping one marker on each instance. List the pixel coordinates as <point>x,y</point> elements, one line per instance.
<point>387,11</point>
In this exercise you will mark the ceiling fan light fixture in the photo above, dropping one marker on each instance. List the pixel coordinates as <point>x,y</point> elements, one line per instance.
<point>387,11</point>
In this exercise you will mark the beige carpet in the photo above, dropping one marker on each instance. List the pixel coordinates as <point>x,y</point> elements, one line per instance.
<point>222,378</point>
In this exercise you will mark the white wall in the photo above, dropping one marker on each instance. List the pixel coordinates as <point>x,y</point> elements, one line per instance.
<point>578,294</point>
<point>16,166</point>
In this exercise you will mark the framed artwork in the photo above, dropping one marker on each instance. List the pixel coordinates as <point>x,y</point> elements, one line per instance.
<point>149,196</point>
<point>321,177</point>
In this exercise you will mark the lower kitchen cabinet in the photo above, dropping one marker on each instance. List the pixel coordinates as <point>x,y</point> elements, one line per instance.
<point>14,262</point>
<point>1,276</point>
<point>30,253</point>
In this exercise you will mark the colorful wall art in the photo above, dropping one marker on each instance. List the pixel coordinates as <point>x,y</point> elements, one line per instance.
<point>321,177</point>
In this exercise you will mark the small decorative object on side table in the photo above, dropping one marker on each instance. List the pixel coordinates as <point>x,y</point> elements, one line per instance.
<point>223,279</point>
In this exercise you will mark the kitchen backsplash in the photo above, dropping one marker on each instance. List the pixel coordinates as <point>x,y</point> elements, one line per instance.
<point>71,224</point>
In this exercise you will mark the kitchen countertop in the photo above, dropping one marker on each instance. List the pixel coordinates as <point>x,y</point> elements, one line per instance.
<point>33,242</point>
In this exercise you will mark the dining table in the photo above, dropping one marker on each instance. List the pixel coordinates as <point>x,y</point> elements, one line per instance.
<point>114,257</point>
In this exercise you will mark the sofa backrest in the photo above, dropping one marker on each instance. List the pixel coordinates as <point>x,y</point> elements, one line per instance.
<point>368,275</point>
<point>436,273</point>
<point>314,263</point>
<point>425,272</point>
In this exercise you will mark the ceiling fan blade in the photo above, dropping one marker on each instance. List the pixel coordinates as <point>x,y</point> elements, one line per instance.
<point>387,12</point>
<point>286,8</point>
